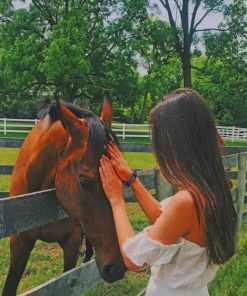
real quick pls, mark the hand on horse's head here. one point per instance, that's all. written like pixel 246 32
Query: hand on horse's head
pixel 118 163
pixel 112 184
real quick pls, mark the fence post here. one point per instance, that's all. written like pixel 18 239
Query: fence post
pixel 163 188
pixel 242 157
pixel 35 121
pixel 5 126
pixel 123 135
pixel 233 131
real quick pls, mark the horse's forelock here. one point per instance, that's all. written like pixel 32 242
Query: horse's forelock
pixel 99 137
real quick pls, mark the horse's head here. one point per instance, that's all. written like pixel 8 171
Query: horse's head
pixel 79 188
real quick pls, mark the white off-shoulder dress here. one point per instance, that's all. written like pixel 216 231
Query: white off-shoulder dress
pixel 179 269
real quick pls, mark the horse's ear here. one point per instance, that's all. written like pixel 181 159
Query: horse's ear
pixel 71 123
pixel 220 140
pixel 107 111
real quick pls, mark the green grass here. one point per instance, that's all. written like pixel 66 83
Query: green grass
pixel 236 143
pixel 137 160
pixel 13 135
pixel 131 285
pixel 231 277
pixel 8 155
pixel 45 262
pixel 4 183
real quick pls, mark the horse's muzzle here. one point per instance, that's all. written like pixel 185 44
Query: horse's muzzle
pixel 113 271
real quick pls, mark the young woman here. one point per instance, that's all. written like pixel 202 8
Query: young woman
pixel 193 231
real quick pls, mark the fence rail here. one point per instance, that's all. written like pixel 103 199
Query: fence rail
pixel 40 208
pixel 73 282
pixel 122 130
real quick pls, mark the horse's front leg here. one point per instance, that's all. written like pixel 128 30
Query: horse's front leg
pixel 71 248
pixel 20 249
pixel 86 249
pixel 88 252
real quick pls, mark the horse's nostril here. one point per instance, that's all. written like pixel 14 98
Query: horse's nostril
pixel 109 270
pixel 113 271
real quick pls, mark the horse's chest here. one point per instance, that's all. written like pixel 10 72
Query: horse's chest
pixel 56 231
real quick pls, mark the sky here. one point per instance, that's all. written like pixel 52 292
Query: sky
pixel 211 21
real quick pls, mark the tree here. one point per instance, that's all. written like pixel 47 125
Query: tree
pixel 223 85
pixel 223 70
pixel 127 90
pixel 154 49
pixel 66 46
pixel 185 30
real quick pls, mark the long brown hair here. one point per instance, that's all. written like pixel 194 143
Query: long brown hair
pixel 185 145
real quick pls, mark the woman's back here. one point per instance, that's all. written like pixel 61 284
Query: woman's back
pixel 181 268
pixel 196 233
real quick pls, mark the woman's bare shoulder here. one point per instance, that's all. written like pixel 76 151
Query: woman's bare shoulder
pixel 182 201
pixel 176 220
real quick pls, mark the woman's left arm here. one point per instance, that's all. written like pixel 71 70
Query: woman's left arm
pixel 177 220
pixel 113 188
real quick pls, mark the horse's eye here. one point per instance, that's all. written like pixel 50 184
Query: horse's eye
pixel 85 182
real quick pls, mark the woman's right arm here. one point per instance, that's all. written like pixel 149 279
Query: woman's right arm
pixel 149 205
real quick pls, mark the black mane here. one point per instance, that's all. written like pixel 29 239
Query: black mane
pixel 99 133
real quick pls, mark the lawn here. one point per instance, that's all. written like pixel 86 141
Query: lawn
pixel 46 259
pixel 236 143
pixel 8 155
pixel 231 277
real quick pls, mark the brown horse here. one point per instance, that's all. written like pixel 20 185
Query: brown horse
pixel 65 153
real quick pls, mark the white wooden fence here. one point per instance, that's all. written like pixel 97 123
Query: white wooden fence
pixel 20 126
pixel 232 133
pixel 123 130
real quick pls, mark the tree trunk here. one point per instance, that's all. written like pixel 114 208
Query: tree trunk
pixel 143 110
pixel 132 114
pixel 187 70
pixel 69 93
pixel 186 57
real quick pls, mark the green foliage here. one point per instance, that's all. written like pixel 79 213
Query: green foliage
pixel 158 61
pixel 223 73
pixel 72 49
pixel 77 48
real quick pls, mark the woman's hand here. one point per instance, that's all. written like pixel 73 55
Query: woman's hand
pixel 119 164
pixel 111 183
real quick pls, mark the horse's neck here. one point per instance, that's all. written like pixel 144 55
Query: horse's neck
pixel 37 162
